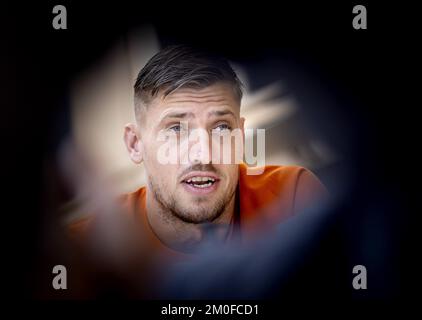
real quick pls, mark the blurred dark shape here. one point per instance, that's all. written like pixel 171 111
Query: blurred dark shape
pixel 310 257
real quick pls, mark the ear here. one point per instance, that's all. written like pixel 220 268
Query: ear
pixel 133 143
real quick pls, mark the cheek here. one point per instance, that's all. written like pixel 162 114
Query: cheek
pixel 231 173
pixel 166 175
pixel 152 162
pixel 234 176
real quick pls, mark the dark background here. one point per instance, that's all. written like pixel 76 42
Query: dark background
pixel 369 72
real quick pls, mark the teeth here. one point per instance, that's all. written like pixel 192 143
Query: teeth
pixel 205 185
pixel 200 179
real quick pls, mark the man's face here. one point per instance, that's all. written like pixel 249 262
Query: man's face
pixel 195 189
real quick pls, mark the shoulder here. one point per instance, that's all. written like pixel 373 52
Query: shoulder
pixel 127 204
pixel 276 178
pixel 290 188
pixel 133 200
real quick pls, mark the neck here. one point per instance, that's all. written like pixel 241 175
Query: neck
pixel 184 236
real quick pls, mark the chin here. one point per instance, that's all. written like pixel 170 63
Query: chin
pixel 198 215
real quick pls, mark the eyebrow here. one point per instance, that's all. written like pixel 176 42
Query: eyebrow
pixel 182 115
pixel 220 113
pixel 175 114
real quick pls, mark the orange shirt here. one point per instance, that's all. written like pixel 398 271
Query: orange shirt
pixel 263 201
pixel 125 243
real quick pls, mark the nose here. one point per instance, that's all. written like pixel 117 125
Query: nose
pixel 199 150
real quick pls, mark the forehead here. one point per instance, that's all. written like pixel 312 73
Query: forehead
pixel 196 100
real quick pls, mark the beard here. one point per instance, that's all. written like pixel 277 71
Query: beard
pixel 198 212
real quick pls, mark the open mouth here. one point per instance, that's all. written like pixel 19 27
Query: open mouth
pixel 201 183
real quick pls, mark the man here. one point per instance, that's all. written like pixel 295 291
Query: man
pixel 182 89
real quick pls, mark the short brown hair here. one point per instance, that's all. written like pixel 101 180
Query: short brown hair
pixel 182 66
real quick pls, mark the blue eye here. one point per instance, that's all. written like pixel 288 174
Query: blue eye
pixel 222 127
pixel 176 128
